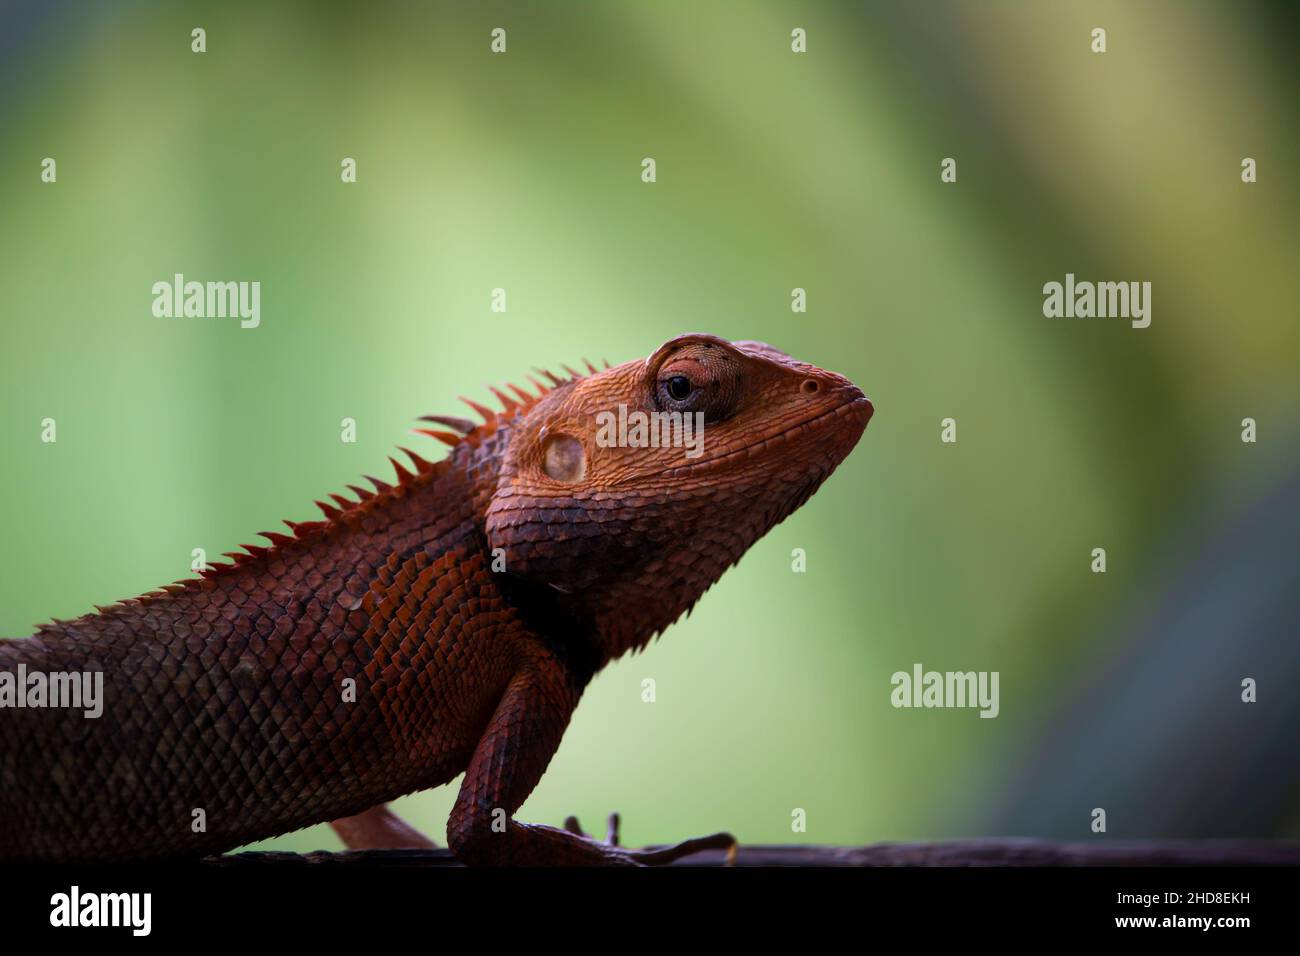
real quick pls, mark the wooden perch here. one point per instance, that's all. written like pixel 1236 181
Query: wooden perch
pixel 1009 851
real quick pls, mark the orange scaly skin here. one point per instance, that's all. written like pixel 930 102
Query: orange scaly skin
pixel 226 693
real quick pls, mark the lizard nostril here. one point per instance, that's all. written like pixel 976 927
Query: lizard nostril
pixel 810 386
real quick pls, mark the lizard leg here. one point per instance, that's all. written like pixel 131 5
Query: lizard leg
pixel 519 742
pixel 379 828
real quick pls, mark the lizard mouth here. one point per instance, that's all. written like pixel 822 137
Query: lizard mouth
pixel 857 409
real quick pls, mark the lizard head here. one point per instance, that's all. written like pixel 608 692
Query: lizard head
pixel 628 492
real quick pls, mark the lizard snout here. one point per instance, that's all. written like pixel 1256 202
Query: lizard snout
pixel 836 391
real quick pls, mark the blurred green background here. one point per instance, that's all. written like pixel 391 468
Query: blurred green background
pixel 775 171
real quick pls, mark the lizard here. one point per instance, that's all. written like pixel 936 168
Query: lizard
pixel 445 622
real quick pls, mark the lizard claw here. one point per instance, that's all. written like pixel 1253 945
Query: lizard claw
pixel 572 825
pixel 658 856
pixel 667 854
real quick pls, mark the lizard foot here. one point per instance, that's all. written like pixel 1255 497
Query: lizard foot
pixel 659 856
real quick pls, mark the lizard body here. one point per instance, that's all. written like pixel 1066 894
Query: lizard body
pixel 225 697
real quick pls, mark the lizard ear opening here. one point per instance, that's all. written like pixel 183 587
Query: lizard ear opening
pixel 564 459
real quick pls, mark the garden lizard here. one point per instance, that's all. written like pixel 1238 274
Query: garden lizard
pixel 445 622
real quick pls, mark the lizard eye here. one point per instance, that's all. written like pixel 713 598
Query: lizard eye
pixel 700 378
pixel 679 388
pixel 677 393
